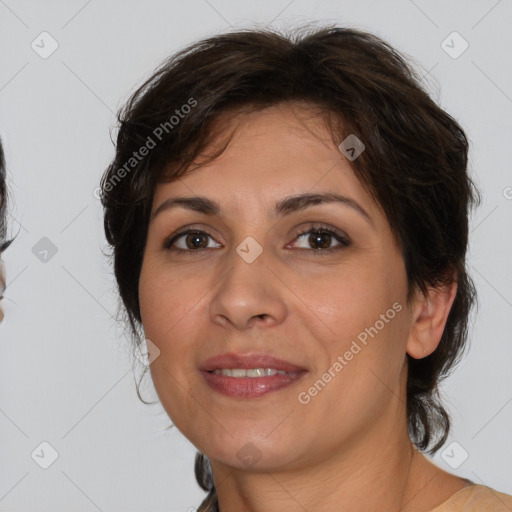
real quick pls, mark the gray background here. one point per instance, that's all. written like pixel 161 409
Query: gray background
pixel 65 371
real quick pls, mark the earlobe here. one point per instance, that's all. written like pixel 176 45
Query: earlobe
pixel 430 315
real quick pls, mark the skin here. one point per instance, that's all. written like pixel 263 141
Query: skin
pixel 352 436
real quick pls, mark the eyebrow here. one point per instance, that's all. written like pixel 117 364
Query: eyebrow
pixel 284 207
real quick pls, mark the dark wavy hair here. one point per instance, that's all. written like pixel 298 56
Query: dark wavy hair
pixel 4 243
pixel 414 166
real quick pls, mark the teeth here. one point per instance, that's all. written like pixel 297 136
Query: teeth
pixel 252 372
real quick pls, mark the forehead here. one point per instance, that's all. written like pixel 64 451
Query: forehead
pixel 275 152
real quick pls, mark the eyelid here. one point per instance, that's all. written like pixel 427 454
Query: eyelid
pixel 322 227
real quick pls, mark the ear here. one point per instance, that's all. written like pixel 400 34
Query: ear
pixel 429 319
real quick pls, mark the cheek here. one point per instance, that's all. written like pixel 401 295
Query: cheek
pixel 164 299
pixel 168 310
pixel 360 316
pixel 348 300
pixel 162 304
pixel 171 307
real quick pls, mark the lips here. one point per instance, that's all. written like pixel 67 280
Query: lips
pixel 245 387
pixel 248 361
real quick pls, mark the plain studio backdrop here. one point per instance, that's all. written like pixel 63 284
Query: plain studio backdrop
pixel 66 377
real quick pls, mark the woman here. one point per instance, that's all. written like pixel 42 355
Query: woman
pixel 289 224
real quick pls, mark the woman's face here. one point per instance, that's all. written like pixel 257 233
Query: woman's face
pixel 249 284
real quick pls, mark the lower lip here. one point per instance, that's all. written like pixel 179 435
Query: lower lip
pixel 249 387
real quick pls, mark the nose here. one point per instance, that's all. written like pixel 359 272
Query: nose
pixel 249 294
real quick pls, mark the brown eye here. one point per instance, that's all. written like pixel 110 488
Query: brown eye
pixel 189 240
pixel 320 239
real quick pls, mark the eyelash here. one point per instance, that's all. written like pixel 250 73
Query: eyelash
pixel 314 228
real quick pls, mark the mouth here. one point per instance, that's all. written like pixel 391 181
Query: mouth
pixel 249 376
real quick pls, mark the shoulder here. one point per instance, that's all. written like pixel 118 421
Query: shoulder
pixel 475 498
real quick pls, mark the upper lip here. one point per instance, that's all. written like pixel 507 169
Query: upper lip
pixel 246 361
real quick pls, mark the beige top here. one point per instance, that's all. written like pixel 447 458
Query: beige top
pixel 476 498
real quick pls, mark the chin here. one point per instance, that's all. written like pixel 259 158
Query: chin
pixel 252 454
